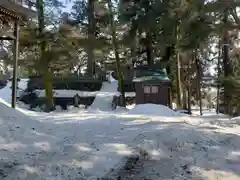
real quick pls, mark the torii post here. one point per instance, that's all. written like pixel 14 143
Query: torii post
pixel 13 11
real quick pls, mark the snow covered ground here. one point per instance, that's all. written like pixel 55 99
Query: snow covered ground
pixel 86 144
pixel 56 145
pixel 5 93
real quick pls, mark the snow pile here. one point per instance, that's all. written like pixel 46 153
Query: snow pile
pixel 236 120
pixel 22 84
pixel 153 110
pixel 110 77
pixel 23 143
pixel 60 145
pixel 103 99
pixel 6 92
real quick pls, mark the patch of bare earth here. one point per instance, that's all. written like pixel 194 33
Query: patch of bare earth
pixel 130 169
pixel 143 167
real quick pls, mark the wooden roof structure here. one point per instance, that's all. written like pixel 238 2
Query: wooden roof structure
pixel 10 12
pixel 15 10
pixel 12 15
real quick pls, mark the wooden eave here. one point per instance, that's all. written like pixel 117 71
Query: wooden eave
pixel 15 11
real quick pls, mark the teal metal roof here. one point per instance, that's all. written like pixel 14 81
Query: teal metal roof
pixel 151 75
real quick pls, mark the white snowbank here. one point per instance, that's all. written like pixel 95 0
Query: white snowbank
pixel 87 144
pixel 153 110
pixel 130 94
pixel 6 92
pixel 81 144
pixel 103 99
pixel 61 145
pixel 22 84
pixel 72 93
pixel 110 77
pixel 236 120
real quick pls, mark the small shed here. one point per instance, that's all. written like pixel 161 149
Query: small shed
pixel 152 86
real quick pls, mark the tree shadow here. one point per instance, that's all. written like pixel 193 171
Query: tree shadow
pixel 77 146
pixel 199 150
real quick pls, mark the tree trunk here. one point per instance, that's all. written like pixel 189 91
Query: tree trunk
pixel 148 31
pixel 91 38
pixel 189 94
pixel 178 75
pixel 44 61
pixel 199 84
pixel 185 97
pixel 226 64
pixel 31 71
pixel 149 49
pixel 179 88
pixel 115 46
pixel 48 91
pixel 218 79
pixel 134 56
pixel 134 47
pixel 167 61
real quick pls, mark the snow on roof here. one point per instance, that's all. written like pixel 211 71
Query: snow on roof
pixel 151 78
pixel 150 74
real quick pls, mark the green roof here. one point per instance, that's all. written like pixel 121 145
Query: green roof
pixel 151 75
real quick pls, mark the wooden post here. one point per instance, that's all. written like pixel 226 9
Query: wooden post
pixel 15 63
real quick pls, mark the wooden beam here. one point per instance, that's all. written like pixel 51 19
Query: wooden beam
pixel 15 63
pixel 7 38
pixel 15 10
